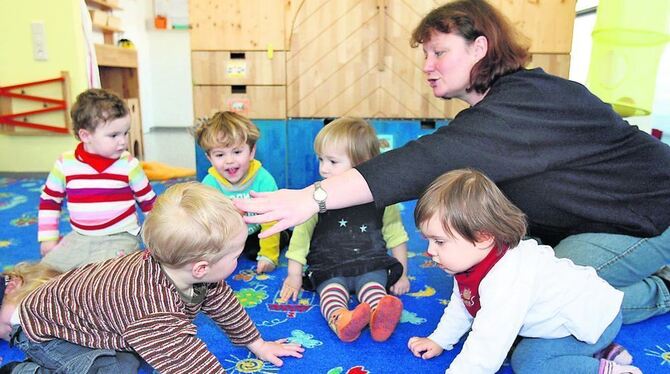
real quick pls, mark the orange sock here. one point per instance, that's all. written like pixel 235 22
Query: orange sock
pixel 385 318
pixel 347 324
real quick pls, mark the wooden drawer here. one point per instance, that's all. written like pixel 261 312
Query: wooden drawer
pixel 257 102
pixel 235 68
pixel 548 24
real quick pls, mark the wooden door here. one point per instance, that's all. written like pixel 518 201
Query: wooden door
pixel 352 57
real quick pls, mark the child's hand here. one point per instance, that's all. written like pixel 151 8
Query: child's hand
pixel 264 266
pixel 424 347
pixel 271 351
pixel 291 287
pixel 47 246
pixel 401 286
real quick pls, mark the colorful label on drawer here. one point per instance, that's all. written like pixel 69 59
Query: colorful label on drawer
pixel 236 69
pixel 239 105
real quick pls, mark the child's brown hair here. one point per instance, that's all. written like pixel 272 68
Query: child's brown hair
pixel 94 107
pixel 469 203
pixel 225 129
pixel 355 134
pixel 191 222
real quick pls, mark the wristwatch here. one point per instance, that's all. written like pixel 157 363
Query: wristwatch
pixel 320 196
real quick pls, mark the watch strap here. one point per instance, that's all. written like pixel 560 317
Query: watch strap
pixel 320 202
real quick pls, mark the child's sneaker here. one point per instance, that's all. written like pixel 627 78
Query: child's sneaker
pixel 385 318
pixel 347 324
pixel 617 353
pixel 611 367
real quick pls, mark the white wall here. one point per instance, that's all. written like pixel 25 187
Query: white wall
pixel 166 96
pixel 171 84
pixel 164 66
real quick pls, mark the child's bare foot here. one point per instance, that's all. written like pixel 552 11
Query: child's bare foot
pixel 263 266
pixel 348 324
pixel 385 318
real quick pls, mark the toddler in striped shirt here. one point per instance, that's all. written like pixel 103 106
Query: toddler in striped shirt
pixel 102 184
pixel 100 317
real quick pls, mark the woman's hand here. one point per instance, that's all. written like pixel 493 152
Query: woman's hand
pixel 287 207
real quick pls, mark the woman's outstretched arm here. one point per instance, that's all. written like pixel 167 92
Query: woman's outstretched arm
pixel 293 207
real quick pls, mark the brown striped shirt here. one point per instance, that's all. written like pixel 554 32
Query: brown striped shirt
pixel 129 303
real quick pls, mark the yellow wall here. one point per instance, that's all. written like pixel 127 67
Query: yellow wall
pixel 66 52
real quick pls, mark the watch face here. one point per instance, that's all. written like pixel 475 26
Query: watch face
pixel 320 194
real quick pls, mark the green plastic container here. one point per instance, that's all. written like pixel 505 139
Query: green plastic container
pixel 628 41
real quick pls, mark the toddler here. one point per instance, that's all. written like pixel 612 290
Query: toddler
pixel 101 182
pixel 346 250
pixel 99 316
pixel 229 141
pixel 566 316
pixel 15 284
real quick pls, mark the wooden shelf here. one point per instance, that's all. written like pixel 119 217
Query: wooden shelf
pixel 109 55
pixel 105 28
pixel 105 4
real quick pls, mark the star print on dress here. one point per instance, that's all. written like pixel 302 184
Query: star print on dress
pixel 364 228
pixel 343 222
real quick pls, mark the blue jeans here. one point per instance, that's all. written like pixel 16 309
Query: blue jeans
pixel 62 357
pixel 562 355
pixel 627 263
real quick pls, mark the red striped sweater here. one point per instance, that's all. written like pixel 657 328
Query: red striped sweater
pixel 129 303
pixel 99 202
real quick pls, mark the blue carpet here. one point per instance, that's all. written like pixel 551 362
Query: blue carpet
pixel 648 342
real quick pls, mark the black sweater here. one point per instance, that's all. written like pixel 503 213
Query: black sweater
pixel 557 151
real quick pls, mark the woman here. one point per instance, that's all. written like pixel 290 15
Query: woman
pixel 591 185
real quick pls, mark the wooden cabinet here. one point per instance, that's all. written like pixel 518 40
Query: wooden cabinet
pixel 547 23
pixel 118 67
pixel 238 59
pixel 103 19
pixel 252 83
pixel 345 57
pixel 233 25
pixel 118 73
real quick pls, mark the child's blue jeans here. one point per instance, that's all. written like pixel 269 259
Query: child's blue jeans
pixel 627 263
pixel 563 355
pixel 62 357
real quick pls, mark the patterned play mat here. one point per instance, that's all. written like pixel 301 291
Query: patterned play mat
pixel 301 321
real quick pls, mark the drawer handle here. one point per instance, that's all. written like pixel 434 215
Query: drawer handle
pixel 238 89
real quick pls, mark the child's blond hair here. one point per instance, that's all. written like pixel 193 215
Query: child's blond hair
pixel 191 222
pixel 225 129
pixel 31 275
pixel 95 107
pixel 355 134
pixel 469 203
